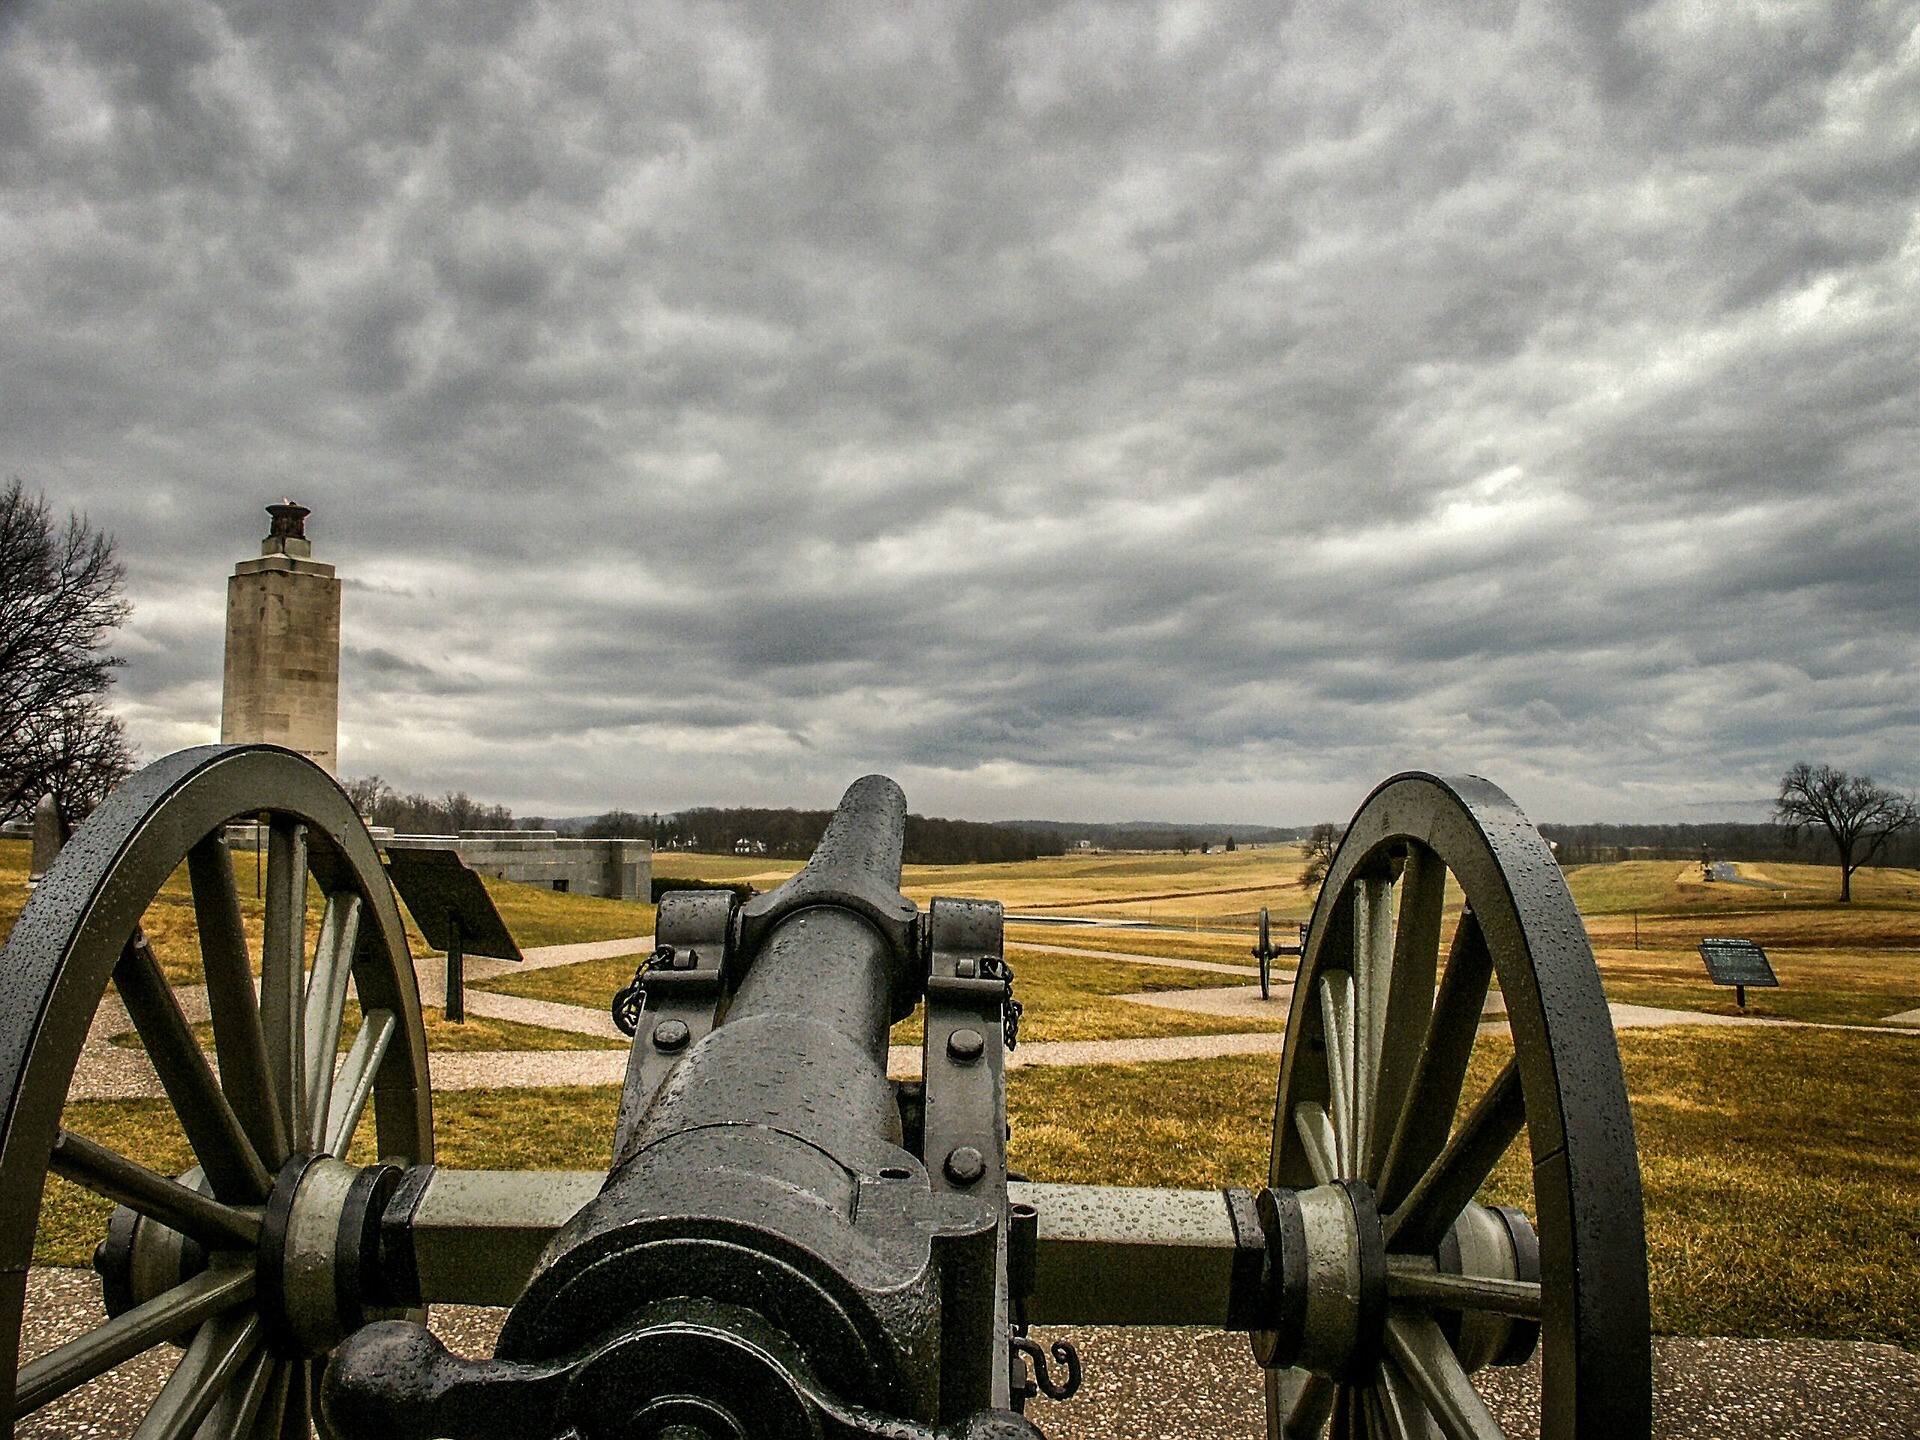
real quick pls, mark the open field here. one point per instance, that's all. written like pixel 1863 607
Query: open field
pixel 476 1032
pixel 1067 997
pixel 1228 947
pixel 534 916
pixel 1166 888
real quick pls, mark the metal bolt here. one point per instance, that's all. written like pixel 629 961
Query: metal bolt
pixel 965 1046
pixel 966 967
pixel 671 1035
pixel 965 1165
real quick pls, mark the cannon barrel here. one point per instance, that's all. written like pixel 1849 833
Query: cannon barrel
pixel 765 1251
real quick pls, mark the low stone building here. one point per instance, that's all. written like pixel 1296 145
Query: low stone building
pixel 618 869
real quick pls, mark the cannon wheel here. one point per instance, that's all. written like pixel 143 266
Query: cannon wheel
pixel 1265 952
pixel 1371 1082
pixel 274 1105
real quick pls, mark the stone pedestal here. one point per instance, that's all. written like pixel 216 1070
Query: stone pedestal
pixel 282 683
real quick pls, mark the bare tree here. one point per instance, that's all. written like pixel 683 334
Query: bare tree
pixel 59 599
pixel 1322 841
pixel 1859 816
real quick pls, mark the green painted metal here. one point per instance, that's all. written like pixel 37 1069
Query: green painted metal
pixel 1372 1080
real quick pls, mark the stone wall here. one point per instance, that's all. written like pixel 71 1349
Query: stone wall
pixel 619 869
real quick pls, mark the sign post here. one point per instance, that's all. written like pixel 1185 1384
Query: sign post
pixel 454 912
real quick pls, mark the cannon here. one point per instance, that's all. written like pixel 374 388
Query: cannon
pixel 787 1243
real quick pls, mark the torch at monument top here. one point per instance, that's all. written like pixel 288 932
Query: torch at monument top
pixel 288 535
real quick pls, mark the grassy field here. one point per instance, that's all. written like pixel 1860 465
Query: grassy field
pixel 534 916
pixel 1067 997
pixel 476 1032
pixel 1228 947
pixel 1166 888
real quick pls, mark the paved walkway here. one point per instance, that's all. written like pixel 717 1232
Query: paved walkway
pixel 108 1072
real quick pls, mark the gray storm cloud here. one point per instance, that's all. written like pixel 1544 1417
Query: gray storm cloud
pixel 1090 410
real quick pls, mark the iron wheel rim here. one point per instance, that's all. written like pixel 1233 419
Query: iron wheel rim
pixel 61 957
pixel 1594 1328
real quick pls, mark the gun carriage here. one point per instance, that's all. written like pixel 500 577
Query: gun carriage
pixel 786 1243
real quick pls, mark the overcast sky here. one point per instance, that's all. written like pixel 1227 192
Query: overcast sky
pixel 1091 411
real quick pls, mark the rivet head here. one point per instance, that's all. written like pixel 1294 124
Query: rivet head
pixel 966 1046
pixel 965 1165
pixel 671 1035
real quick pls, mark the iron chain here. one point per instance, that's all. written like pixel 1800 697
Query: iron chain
pixel 631 999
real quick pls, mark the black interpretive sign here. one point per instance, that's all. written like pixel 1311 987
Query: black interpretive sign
pixel 455 913
pixel 1738 963
pixel 442 892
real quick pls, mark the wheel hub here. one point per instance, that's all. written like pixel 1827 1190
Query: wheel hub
pixel 319 1251
pixel 1326 1292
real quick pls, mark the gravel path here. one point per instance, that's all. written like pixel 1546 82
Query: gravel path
pixel 109 1072
pixel 1189 1384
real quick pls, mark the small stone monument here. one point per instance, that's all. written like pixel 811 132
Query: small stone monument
pixel 282 682
pixel 49 834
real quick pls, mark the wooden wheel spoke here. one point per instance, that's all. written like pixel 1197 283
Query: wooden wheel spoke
pixel 234 1412
pixel 237 1039
pixel 272 1414
pixel 326 1003
pixel 1312 1408
pixel 211 1126
pixel 100 1170
pixel 1317 1138
pixel 282 970
pixel 1408 1005
pixel 162 1318
pixel 294 1420
pixel 217 1354
pixel 1402 1416
pixel 1422 1354
pixel 1372 974
pixel 1419 1224
pixel 1336 1019
pixel 355 1081
pixel 1433 1094
pixel 1519 1298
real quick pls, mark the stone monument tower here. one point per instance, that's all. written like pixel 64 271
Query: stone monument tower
pixel 283 645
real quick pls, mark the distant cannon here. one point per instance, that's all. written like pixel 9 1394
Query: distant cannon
pixel 787 1243
pixel 1266 952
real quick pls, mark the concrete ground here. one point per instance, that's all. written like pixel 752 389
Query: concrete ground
pixel 1200 1385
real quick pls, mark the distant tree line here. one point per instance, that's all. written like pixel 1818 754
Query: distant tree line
pixel 1602 844
pixel 1156 835
pixel 380 804
pixel 793 834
